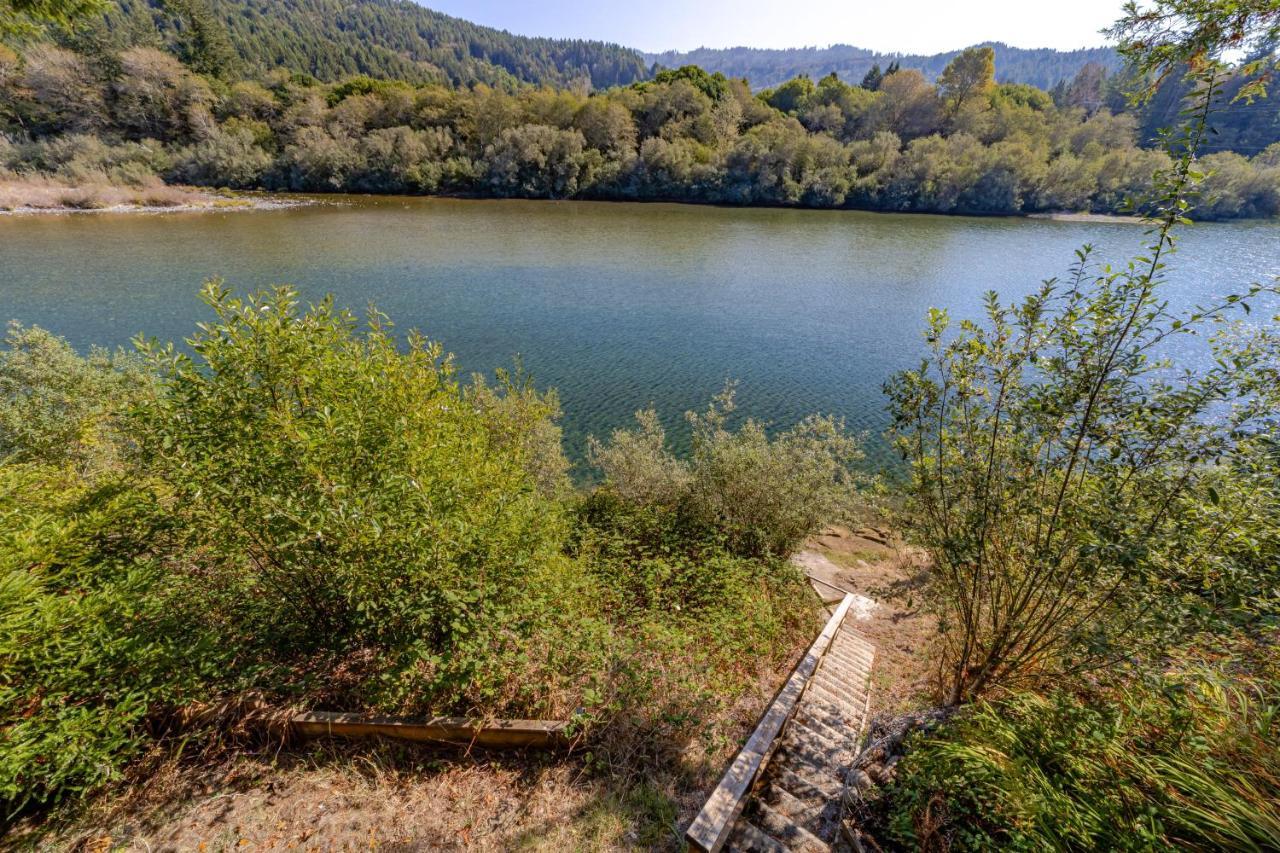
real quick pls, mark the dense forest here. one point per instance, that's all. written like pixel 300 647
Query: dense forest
pixel 962 144
pixel 1040 67
pixel 382 38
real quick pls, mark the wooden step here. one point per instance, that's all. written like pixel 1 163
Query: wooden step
pixel 854 649
pixel 851 637
pixel 801 758
pixel 795 837
pixel 850 659
pixel 832 713
pixel 836 732
pixel 836 751
pixel 748 839
pixel 853 642
pixel 842 688
pixel 851 708
pixel 806 786
pixel 804 812
pixel 818 816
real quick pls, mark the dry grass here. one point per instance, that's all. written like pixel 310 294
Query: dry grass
pixel 331 795
pixel 346 797
pixel 39 193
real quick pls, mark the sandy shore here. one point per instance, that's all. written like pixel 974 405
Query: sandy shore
pixel 41 196
pixel 1089 217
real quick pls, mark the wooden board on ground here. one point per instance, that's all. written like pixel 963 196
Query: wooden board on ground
pixel 493 734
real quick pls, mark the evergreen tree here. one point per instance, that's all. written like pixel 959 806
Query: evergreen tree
pixel 871 81
pixel 202 41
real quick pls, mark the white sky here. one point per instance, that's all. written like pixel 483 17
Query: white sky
pixel 919 26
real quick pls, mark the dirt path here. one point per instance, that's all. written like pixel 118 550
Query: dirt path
pixel 886 575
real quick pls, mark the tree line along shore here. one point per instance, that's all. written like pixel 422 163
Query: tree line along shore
pixel 88 128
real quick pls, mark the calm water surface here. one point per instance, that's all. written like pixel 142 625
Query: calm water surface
pixel 619 306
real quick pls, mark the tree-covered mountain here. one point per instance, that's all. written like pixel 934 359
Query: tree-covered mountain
pixel 399 39
pixel 1040 67
pixel 332 39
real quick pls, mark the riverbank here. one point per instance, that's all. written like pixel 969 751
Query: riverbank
pixel 39 195
pixel 1090 217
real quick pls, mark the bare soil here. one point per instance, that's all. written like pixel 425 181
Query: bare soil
pixel 877 564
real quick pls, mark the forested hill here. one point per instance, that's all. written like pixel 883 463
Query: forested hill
pixel 397 39
pixel 1040 67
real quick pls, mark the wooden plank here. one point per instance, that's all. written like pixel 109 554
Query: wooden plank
pixel 711 828
pixel 455 730
pixel 843 592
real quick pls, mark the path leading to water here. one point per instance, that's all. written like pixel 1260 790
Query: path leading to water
pixel 787 786
pixel 785 790
pixel 797 803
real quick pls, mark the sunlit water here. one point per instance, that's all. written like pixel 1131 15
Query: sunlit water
pixel 618 306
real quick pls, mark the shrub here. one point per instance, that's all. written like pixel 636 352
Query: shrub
pixel 536 160
pixel 57 408
pixel 638 467
pixel 767 494
pixel 93 641
pixel 224 158
pixel 86 160
pixel 762 496
pixel 522 421
pixel 1055 458
pixel 343 496
pixel 1183 762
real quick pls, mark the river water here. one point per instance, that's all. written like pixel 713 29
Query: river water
pixel 618 306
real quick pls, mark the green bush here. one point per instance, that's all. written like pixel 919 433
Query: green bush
pixel 761 496
pixel 92 640
pixel 59 408
pixel 344 496
pixel 1188 762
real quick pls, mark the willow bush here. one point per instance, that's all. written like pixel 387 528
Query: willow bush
pixel 762 494
pixel 1056 453
pixel 344 495
pixel 91 640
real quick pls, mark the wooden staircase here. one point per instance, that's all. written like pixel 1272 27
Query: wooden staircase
pixel 784 790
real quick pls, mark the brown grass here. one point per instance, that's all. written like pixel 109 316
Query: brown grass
pixel 333 795
pixel 36 193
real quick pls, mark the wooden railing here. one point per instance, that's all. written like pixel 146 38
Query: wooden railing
pixel 711 828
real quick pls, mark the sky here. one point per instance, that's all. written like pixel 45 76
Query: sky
pixel 915 26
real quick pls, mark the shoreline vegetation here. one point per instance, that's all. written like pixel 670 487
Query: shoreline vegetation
pixel 34 196
pixel 138 117
pixel 37 196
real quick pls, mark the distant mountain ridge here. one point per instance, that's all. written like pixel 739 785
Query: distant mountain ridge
pixel 1042 67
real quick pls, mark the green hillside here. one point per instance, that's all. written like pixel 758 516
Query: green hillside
pixel 330 39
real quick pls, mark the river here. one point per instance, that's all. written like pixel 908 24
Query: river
pixel 618 306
